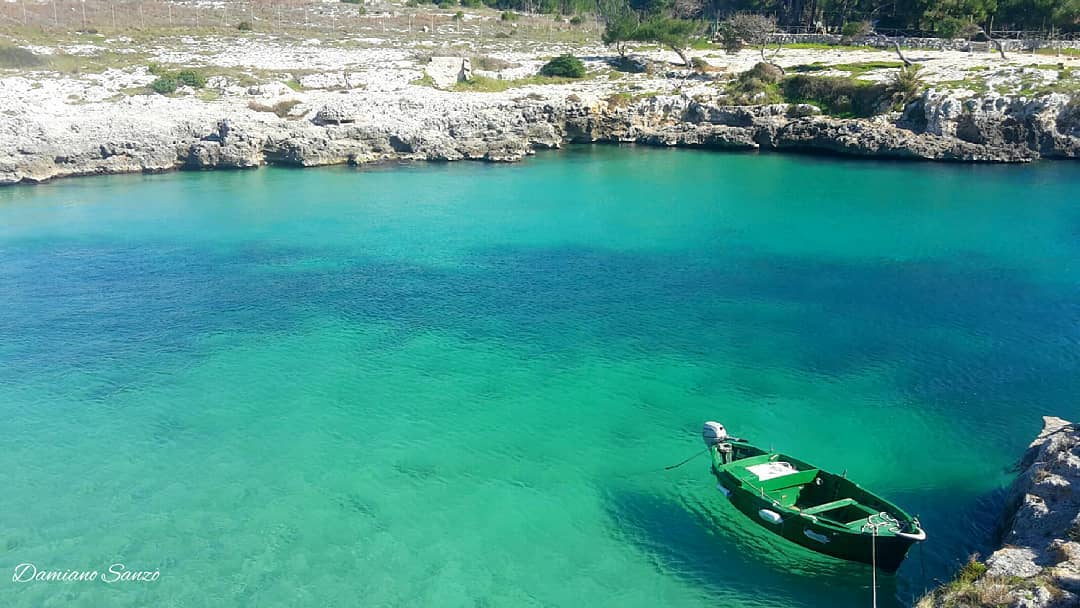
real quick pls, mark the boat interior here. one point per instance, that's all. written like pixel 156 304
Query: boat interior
pixel 806 489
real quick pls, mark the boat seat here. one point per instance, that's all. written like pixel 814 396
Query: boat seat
pixel 792 480
pixel 829 506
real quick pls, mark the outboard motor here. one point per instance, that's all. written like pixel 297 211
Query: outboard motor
pixel 713 433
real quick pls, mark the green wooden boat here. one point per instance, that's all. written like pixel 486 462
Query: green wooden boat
pixel 819 510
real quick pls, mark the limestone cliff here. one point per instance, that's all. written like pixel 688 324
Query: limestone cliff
pixel 159 134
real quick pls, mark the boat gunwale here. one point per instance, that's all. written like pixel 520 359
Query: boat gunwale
pixel 905 519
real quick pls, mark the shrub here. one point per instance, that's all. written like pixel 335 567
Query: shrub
pixel 566 66
pixel 972 570
pixel 353 1
pixel 17 57
pixel 472 3
pixel 699 64
pixel 837 95
pixel 576 20
pixel 765 72
pixel 459 16
pixel 446 4
pixel 947 26
pixel 191 78
pixel 757 85
pixel 244 26
pixel 164 85
pixel 508 16
pixel 907 83
pixel 855 29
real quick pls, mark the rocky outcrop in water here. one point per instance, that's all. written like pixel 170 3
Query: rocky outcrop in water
pixel 149 134
pixel 1038 564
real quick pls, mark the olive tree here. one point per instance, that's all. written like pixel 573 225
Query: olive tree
pixel 747 29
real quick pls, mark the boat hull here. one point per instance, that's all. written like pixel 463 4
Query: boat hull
pixel 886 552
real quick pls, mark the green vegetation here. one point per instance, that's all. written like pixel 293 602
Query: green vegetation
pixel 846 97
pixel 19 58
pixel 855 69
pixel 426 80
pixel 167 82
pixel 244 26
pixel 907 83
pixel 837 96
pixel 856 29
pixel 191 78
pixel 671 32
pixel 745 28
pixel 483 84
pixel 760 84
pixel 164 85
pixel 565 66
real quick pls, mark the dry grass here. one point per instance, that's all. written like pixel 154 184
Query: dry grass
pixel 281 108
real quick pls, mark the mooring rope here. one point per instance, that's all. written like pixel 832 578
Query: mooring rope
pixel 873 564
pixel 884 521
pixel 675 466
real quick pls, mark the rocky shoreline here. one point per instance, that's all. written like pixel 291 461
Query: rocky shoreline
pixel 1038 564
pixel 153 134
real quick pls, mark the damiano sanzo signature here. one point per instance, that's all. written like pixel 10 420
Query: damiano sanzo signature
pixel 117 573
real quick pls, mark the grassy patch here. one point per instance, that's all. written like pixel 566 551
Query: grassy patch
pixel 424 81
pixel 619 100
pixel 1068 52
pixel 281 108
pixel 15 57
pixel 821 45
pixel 483 84
pixel 855 69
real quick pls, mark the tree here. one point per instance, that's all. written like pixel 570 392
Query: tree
pixel 620 30
pixel 672 33
pixel 747 28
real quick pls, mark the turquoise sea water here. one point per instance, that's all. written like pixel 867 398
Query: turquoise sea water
pixel 458 385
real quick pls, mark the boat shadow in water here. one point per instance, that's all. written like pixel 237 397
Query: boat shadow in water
pixel 709 544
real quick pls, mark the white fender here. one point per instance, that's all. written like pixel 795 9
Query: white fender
pixel 770 516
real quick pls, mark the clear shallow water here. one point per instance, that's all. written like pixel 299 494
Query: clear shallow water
pixel 455 385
